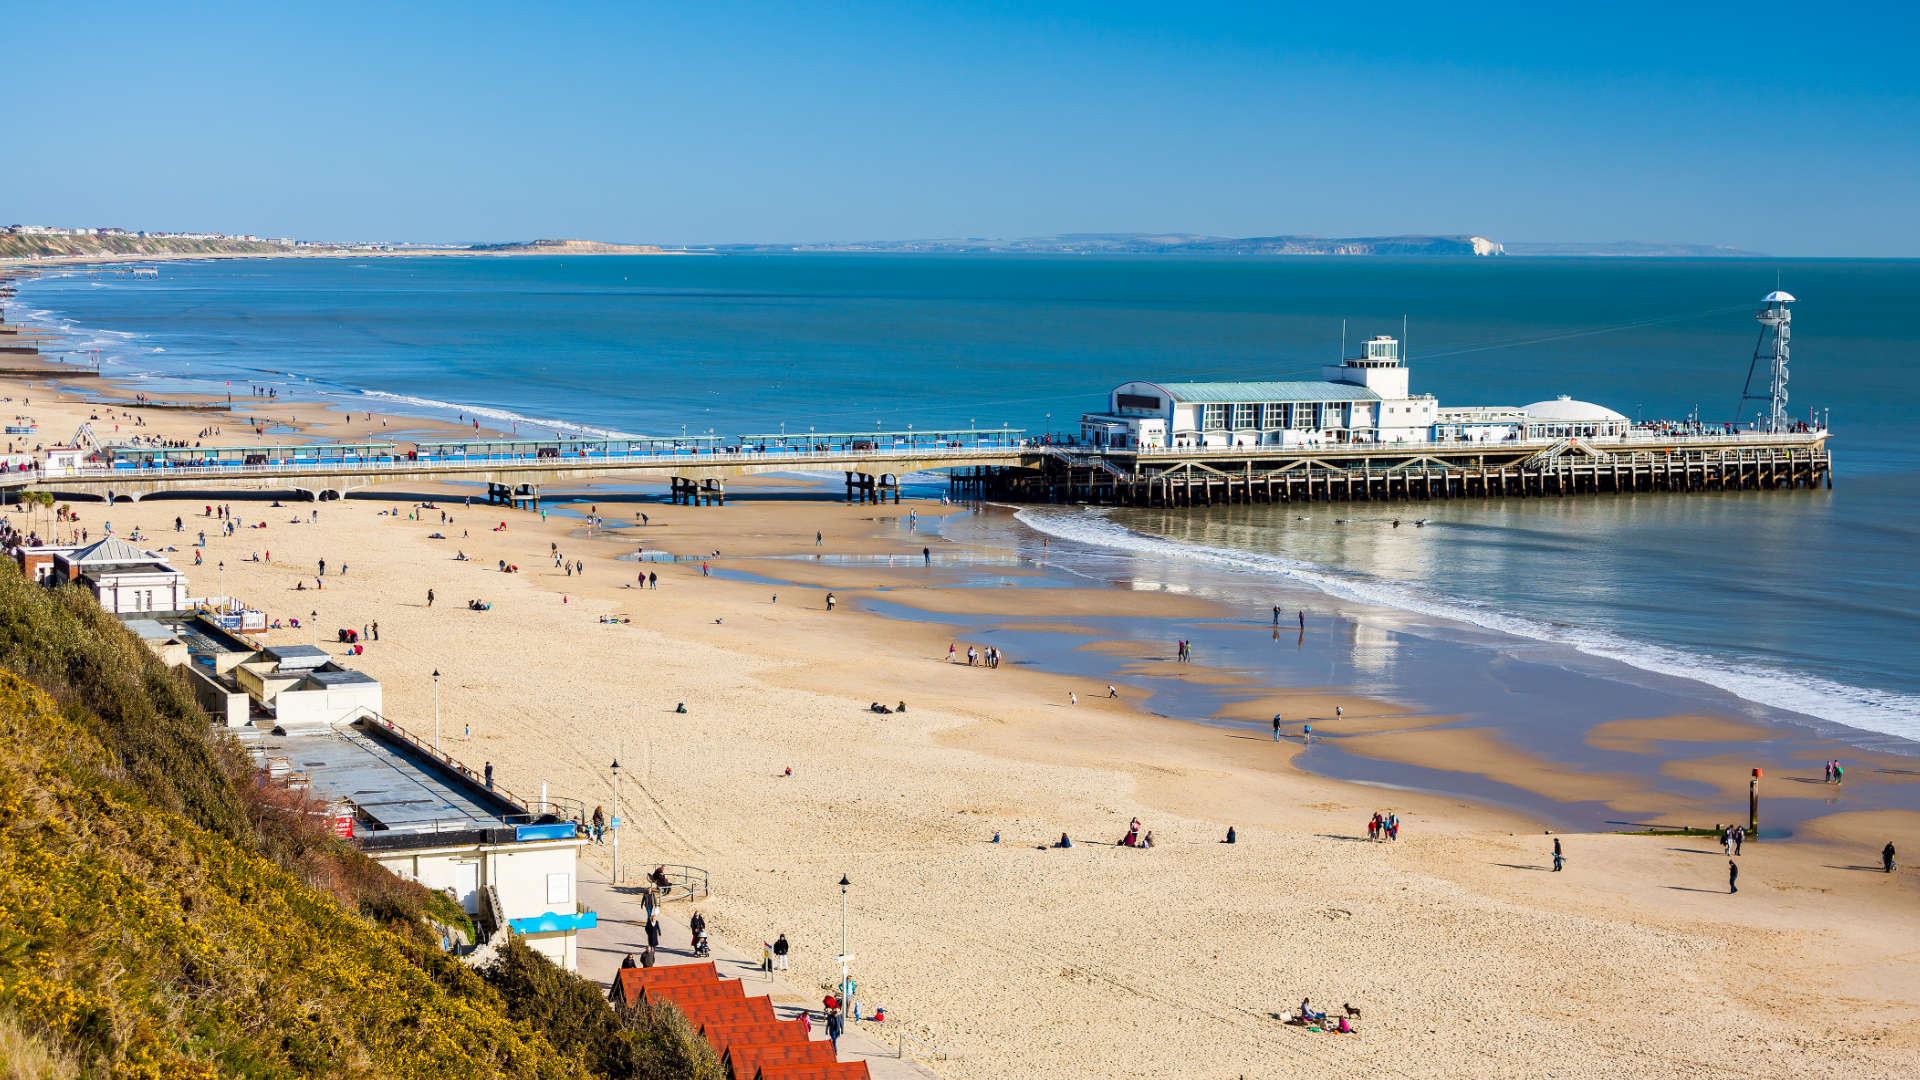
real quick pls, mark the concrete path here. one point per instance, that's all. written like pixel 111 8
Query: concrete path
pixel 622 930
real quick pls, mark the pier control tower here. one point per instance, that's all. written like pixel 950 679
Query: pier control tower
pixel 1770 354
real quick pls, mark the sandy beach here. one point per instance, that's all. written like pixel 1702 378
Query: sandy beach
pixel 1465 954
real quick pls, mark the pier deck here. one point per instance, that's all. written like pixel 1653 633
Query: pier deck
pixel 1008 469
pixel 1413 471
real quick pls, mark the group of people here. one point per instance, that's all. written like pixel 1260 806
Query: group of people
pixel 1386 826
pixel 1184 652
pixel 1136 837
pixel 1308 1016
pixel 1732 837
pixel 1836 773
pixel 976 657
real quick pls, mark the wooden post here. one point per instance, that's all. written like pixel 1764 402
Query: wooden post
pixel 1753 806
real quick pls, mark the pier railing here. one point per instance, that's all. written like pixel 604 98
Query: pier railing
pixel 493 462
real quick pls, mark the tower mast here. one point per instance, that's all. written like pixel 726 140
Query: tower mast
pixel 1771 353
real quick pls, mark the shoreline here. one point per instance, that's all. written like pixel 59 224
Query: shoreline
pixel 1446 923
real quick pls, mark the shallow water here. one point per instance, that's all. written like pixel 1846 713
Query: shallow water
pixel 1802 601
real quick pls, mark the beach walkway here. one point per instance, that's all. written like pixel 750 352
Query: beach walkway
pixel 622 930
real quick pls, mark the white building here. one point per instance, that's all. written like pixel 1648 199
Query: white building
pixel 1361 400
pixel 125 579
pixel 1564 418
pixel 301 686
pixel 429 819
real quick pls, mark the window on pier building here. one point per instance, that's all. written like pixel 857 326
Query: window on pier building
pixel 1243 415
pixel 1301 416
pixel 1213 418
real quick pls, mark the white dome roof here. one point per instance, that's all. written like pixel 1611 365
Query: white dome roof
pixel 1567 409
pixel 1777 297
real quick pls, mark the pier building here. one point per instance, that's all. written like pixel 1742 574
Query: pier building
pixel 1362 399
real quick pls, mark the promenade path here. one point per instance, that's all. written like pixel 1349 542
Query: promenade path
pixel 622 930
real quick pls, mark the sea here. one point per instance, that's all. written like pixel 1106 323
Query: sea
pixel 1804 604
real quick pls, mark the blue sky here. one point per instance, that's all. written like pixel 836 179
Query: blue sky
pixel 1785 129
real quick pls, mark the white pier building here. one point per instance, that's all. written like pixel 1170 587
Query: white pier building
pixel 1364 400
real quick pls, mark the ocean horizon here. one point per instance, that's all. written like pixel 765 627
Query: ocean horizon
pixel 1788 602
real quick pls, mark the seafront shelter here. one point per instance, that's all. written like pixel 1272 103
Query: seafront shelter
pixel 427 818
pixel 125 579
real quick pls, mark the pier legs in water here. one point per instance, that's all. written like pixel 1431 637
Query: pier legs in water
pixel 872 487
pixel 514 496
pixel 689 492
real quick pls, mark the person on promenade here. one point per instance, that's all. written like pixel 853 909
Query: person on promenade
pixel 653 932
pixel 1886 858
pixel 697 924
pixel 780 950
pixel 835 1025
pixel 629 962
pixel 599 822
pixel 1733 876
pixel 649 957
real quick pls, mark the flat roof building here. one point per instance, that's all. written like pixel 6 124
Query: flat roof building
pixel 427 818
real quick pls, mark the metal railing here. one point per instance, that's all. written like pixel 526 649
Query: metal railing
pixel 492 463
pixel 683 882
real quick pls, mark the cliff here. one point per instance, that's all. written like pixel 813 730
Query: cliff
pixel 567 247
pixel 167 914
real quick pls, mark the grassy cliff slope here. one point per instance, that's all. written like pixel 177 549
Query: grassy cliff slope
pixel 164 915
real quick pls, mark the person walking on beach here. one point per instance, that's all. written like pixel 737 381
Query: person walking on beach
pixel 1739 837
pixel 1886 858
pixel 780 950
pixel 429 597
pixel 1276 727
pixel 1276 614
pixel 1557 858
pixel 1733 877
pixel 830 601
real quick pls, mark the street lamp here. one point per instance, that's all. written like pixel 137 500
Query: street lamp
pixel 845 957
pixel 313 620
pixel 436 710
pixel 616 817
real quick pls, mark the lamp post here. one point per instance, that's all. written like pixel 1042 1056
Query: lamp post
pixel 313 620
pixel 616 817
pixel 845 957
pixel 436 710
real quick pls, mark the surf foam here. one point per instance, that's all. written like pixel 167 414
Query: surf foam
pixel 1882 712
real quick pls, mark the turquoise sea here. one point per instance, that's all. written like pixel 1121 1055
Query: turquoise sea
pixel 1801 603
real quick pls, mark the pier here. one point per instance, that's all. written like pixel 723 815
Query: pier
pixel 998 465
pixel 1520 469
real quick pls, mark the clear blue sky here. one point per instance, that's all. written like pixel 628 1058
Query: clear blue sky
pixel 1793 130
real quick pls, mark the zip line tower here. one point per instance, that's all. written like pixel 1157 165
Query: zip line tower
pixel 1776 331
